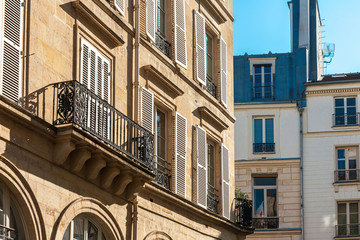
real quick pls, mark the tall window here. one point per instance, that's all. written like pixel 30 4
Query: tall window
pixel 347 164
pixel 212 201
pixel 82 228
pixel 265 202
pixel 345 111
pixel 163 173
pixel 263 135
pixel 210 85
pixel 263 82
pixel 161 17
pixel 11 227
pixel 348 219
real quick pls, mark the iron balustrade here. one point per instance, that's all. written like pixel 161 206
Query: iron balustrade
pixel 211 87
pixel 212 201
pixel 7 233
pixel 162 173
pixel 345 119
pixel 75 103
pixel 263 92
pixel 162 44
pixel 243 212
pixel 350 175
pixel 263 147
pixel 347 230
pixel 265 223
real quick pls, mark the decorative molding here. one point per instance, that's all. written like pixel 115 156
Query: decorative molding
pixel 206 113
pixel 326 91
pixel 164 80
pixel 82 9
pixel 214 10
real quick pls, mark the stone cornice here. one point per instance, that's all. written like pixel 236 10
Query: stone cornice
pixel 327 91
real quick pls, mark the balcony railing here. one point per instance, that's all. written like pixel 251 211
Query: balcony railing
pixel 7 233
pixel 162 44
pixel 340 120
pixel 75 103
pixel 266 223
pixel 351 175
pixel 347 230
pixel 243 212
pixel 162 173
pixel 212 201
pixel 211 87
pixel 263 92
pixel 263 147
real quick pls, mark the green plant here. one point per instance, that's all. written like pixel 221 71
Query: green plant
pixel 240 194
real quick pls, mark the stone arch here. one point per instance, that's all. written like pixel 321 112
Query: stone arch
pixel 87 207
pixel 27 204
pixel 157 235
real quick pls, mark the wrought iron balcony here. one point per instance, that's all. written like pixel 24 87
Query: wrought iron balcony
pixel 211 87
pixel 75 103
pixel 340 120
pixel 347 230
pixel 243 212
pixel 263 147
pixel 351 175
pixel 263 92
pixel 162 173
pixel 265 223
pixel 7 233
pixel 212 201
pixel 162 44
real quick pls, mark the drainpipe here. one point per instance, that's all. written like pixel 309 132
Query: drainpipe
pixel 137 59
pixel 135 218
pixel 301 110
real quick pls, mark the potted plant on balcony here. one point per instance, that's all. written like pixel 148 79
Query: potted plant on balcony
pixel 243 208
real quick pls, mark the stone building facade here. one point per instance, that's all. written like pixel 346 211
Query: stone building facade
pixel 117 120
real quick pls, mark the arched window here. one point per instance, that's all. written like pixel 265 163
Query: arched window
pixel 11 226
pixel 82 228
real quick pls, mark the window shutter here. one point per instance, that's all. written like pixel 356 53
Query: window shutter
pixel 11 42
pixel 150 19
pixel 147 109
pixel 120 5
pixel 200 47
pixel 201 167
pixel 223 58
pixel 180 33
pixel 180 155
pixel 225 181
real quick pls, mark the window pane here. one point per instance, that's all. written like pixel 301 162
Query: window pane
pixel 257 69
pixel 352 152
pixel 271 203
pixel 258 136
pixel 352 164
pixel 341 208
pixel 339 111
pixel 267 69
pixel 211 165
pixel 350 102
pixel 16 223
pixel 67 233
pixel 1 206
pixel 259 202
pixel 341 164
pixel 351 110
pixel 265 181
pixel 92 232
pixel 269 129
pixel 342 219
pixel 267 80
pixel 78 229
pixel 258 81
pixel 354 208
pixel 339 102
pixel 341 153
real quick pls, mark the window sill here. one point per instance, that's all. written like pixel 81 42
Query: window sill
pixel 337 185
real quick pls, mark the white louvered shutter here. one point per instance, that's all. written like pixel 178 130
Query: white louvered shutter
pixel 200 39
pixel 11 48
pixel 223 65
pixel 180 155
pixel 95 75
pixel 180 33
pixel 147 109
pixel 201 167
pixel 151 19
pixel 225 181
pixel 120 5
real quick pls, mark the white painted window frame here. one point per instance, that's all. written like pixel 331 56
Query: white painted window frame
pixel 263 127
pixel 265 197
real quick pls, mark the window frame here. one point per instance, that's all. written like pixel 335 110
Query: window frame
pixel 265 187
pixel 345 114
pixel 264 135
pixel 158 8
pixel 347 214
pixel 344 175
pixel 208 34
pixel 262 86
pixel 101 232
pixel 156 109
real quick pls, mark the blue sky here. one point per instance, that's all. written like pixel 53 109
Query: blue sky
pixel 264 25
